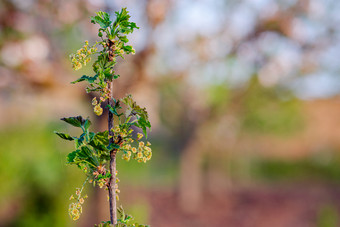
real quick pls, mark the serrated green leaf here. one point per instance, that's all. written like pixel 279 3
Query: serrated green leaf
pixel 77 121
pixel 122 24
pixel 113 109
pixel 87 124
pixel 86 154
pixel 64 136
pixel 88 90
pixel 90 79
pixel 108 74
pixel 143 124
pixel 71 156
pixel 128 49
pixel 110 64
pixel 128 101
pixel 133 25
pixel 102 19
pixel 100 141
pixel 141 113
pixel 123 39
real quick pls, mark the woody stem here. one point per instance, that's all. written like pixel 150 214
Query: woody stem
pixel 112 181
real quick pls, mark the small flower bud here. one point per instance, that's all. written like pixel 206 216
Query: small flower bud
pixel 139 136
pixel 98 110
pixel 94 101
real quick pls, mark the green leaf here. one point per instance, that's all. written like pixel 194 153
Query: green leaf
pixel 90 79
pixel 108 74
pixel 80 141
pixel 133 25
pixel 110 64
pixel 122 23
pixel 123 39
pixel 128 101
pixel 113 109
pixel 143 124
pixel 64 136
pixel 100 141
pixel 128 49
pixel 77 121
pixel 135 110
pixel 88 90
pixel 87 124
pixel 86 154
pixel 71 156
pixel 113 146
pixel 102 18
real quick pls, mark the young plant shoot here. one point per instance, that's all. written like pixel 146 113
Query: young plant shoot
pixel 96 152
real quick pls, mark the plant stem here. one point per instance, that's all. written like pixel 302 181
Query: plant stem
pixel 112 182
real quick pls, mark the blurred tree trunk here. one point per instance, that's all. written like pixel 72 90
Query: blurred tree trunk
pixel 191 180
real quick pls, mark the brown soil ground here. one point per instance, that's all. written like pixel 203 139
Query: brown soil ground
pixel 287 206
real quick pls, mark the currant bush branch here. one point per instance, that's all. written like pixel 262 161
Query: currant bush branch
pixel 95 152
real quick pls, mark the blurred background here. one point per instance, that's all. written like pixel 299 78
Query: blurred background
pixel 243 98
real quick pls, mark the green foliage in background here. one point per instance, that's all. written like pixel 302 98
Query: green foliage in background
pixel 328 217
pixel 308 169
pixel 270 110
pixel 32 165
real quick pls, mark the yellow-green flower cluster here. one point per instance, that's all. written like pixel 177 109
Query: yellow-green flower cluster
pixel 142 153
pixel 123 134
pixel 98 110
pixel 81 57
pixel 127 154
pixel 75 209
pixel 117 192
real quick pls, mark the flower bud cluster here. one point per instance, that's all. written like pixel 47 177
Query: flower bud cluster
pixel 81 57
pixel 142 153
pixel 98 110
pixel 122 134
pixel 101 176
pixel 117 49
pixel 105 94
pixel 75 209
